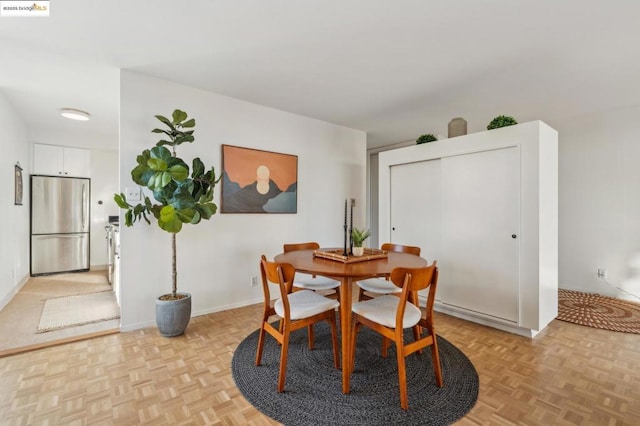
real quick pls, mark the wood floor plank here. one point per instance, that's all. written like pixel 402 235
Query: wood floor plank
pixel 567 375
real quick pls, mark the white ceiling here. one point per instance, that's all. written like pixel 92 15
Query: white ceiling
pixel 395 69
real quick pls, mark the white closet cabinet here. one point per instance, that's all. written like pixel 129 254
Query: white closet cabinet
pixel 55 160
pixel 412 217
pixel 480 227
pixel 484 206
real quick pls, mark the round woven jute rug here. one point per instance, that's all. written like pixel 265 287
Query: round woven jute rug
pixel 313 389
pixel 594 310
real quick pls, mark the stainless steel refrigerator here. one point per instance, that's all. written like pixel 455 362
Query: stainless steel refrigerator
pixel 59 224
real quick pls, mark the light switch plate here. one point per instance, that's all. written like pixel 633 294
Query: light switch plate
pixel 132 194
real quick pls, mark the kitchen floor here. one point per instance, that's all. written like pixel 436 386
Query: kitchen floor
pixel 19 319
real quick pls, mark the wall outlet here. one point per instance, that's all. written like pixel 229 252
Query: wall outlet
pixel 254 281
pixel 602 273
pixel 132 194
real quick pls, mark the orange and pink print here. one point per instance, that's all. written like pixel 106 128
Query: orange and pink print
pixel 256 181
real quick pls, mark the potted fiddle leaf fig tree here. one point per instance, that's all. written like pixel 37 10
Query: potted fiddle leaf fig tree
pixel 181 196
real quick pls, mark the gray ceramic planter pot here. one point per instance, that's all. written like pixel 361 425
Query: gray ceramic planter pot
pixel 172 316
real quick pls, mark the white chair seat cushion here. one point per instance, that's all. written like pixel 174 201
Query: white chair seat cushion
pixel 310 282
pixel 305 303
pixel 379 285
pixel 383 311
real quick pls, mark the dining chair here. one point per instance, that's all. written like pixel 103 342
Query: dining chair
pixel 382 285
pixel 390 315
pixel 295 310
pixel 308 281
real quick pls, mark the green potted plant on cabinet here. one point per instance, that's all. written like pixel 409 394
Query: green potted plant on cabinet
pixel 501 121
pixel 426 138
pixel 358 236
pixel 179 198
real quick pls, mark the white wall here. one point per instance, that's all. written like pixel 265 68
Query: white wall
pixel 217 259
pixel 104 183
pixel 599 185
pixel 14 226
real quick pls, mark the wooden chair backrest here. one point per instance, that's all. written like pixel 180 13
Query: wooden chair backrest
pixel 415 279
pixel 399 248
pixel 301 246
pixel 281 274
pixel 412 280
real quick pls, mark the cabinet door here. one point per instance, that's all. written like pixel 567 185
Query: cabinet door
pixel 77 162
pixel 415 207
pixel 47 160
pixel 480 226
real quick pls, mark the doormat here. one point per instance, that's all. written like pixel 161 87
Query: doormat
pixel 594 310
pixel 81 309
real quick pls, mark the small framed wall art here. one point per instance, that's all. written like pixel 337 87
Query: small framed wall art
pixel 18 185
pixel 256 181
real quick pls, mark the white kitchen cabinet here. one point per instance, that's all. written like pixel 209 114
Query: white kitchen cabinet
pixel 485 206
pixel 55 160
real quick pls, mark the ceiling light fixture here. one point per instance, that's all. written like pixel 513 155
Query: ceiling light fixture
pixel 75 114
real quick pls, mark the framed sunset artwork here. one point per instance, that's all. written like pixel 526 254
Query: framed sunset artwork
pixel 256 181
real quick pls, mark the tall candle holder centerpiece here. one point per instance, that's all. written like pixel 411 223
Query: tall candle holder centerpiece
pixel 348 248
pixel 345 252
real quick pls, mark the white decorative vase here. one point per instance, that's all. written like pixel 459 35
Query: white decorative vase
pixel 358 251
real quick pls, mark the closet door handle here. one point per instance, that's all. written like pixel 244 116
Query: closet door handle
pixel 514 236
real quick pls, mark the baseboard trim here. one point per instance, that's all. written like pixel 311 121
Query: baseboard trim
pixel 200 312
pixel 5 301
pixel 514 329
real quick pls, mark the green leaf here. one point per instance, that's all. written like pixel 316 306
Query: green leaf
pixel 128 218
pixel 169 220
pixel 189 123
pixel 206 197
pixel 179 116
pixel 151 183
pixel 185 215
pixel 181 197
pixel 143 158
pixel 166 121
pixel 207 210
pixel 179 172
pixel 120 201
pixel 196 217
pixel 165 194
pixel 146 175
pixel 157 164
pixel 140 174
pixel 146 219
pixel 184 138
pixel 198 168
pixel 161 152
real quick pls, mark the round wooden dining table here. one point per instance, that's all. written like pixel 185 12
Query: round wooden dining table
pixel 347 273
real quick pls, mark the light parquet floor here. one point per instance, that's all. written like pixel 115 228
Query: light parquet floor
pixel 568 375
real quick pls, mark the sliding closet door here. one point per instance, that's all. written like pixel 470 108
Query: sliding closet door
pixel 480 231
pixel 415 206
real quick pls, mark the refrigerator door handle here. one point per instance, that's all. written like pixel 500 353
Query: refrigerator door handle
pixel 56 236
pixel 84 207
